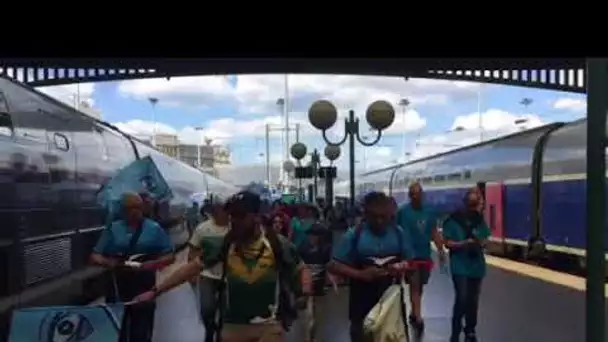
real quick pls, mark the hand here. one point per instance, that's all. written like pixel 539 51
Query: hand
pixel 372 273
pixel 442 256
pixel 398 268
pixel 307 291
pixel 113 263
pixel 333 279
pixel 145 297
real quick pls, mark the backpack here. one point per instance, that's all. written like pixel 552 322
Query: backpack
pixel 354 249
pixel 286 311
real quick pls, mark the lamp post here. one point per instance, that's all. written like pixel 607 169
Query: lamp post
pixel 268 129
pixel 379 115
pixel 331 152
pixel 404 103
pixel 153 102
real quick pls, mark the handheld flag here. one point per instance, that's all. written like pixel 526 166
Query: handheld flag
pixel 96 323
pixel 141 175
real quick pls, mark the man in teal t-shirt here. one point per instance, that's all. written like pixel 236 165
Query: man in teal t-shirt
pixel 465 234
pixel 420 221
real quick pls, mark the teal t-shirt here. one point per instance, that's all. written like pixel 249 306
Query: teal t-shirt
pixel 461 262
pixel 114 240
pixel 299 228
pixel 420 224
pixel 372 245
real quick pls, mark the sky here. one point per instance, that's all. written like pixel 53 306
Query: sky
pixel 233 110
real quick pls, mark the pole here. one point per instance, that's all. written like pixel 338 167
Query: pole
pixel 310 194
pixel 268 154
pixel 404 133
pixel 286 110
pixel 329 191
pixel 364 159
pixel 198 151
pixel 597 109
pixel 297 132
pixel 479 116
pixel 78 96
pixel 351 150
pixel 315 173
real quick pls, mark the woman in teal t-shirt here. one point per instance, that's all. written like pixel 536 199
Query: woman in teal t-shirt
pixel 300 224
pixel 465 233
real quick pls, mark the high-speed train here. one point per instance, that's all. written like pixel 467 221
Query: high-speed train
pixel 53 161
pixel 534 183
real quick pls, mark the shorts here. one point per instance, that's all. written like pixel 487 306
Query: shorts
pixel 253 332
pixel 418 277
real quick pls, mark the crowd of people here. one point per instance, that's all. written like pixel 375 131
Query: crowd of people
pixel 256 267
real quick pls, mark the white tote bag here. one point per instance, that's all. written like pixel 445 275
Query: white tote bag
pixel 177 317
pixel 385 320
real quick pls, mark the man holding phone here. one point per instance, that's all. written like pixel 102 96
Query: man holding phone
pixel 371 255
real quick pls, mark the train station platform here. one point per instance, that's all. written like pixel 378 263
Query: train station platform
pixel 514 307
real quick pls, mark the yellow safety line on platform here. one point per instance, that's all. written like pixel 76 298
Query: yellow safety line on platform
pixel 550 276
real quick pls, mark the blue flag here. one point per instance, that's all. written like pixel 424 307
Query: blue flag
pixel 96 323
pixel 141 175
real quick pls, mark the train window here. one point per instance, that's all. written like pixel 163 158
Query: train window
pixel 427 179
pixel 440 178
pixel 467 174
pixel 454 177
pixel 61 142
pixel 6 123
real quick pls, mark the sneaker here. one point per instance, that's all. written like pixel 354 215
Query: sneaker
pixel 470 337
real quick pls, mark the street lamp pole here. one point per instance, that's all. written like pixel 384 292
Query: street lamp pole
pixel 153 102
pixel 315 160
pixel 404 103
pixel 270 129
pixel 379 115
pixel 332 152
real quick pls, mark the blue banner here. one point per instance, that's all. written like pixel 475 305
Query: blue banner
pixel 140 176
pixel 95 323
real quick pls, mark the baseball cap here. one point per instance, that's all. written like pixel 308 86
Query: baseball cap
pixel 244 202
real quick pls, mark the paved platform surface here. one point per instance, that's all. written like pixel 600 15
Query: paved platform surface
pixel 513 308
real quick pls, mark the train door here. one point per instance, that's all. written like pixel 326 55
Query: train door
pixel 61 160
pixel 494 194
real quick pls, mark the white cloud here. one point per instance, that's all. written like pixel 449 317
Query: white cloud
pixel 71 93
pixel 571 104
pixel 259 93
pixel 229 130
pixel 495 119
pixel 495 123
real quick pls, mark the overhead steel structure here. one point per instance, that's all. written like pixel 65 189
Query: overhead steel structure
pixel 555 74
pixel 576 75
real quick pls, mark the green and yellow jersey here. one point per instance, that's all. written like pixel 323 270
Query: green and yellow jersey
pixel 252 278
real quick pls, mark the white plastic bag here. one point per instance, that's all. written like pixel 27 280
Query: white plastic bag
pixel 385 320
pixel 177 317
